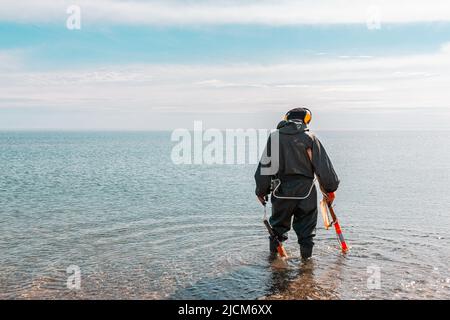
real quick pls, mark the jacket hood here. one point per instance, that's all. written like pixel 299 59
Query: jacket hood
pixel 291 127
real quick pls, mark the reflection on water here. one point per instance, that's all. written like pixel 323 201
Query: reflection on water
pixel 141 228
pixel 284 281
pixel 303 283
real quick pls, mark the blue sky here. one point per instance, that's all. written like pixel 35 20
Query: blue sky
pixel 133 64
pixel 51 46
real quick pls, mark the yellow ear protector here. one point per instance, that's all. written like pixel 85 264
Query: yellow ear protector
pixel 306 119
pixel 308 116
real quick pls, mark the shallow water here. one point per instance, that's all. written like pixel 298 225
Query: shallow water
pixel 140 227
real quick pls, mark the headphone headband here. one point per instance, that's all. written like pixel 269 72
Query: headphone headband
pixel 303 112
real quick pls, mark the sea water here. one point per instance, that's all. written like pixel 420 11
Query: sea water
pixel 113 207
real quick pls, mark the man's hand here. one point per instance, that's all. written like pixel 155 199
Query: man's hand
pixel 329 198
pixel 262 199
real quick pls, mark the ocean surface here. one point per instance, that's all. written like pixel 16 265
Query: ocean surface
pixel 140 227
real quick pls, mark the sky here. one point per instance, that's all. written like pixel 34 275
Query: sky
pixel 160 65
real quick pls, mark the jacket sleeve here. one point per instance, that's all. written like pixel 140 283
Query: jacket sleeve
pixel 263 180
pixel 323 167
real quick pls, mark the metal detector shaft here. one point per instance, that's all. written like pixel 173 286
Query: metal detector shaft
pixel 280 247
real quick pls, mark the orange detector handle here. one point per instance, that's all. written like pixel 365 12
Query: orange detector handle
pixel 281 251
pixel 331 196
pixel 337 227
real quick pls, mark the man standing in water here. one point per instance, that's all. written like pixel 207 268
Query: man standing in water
pixel 300 156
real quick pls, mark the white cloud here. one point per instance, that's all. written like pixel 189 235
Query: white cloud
pixel 333 84
pixel 284 12
pixel 445 48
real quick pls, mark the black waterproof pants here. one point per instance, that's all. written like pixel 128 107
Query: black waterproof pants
pixel 304 213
